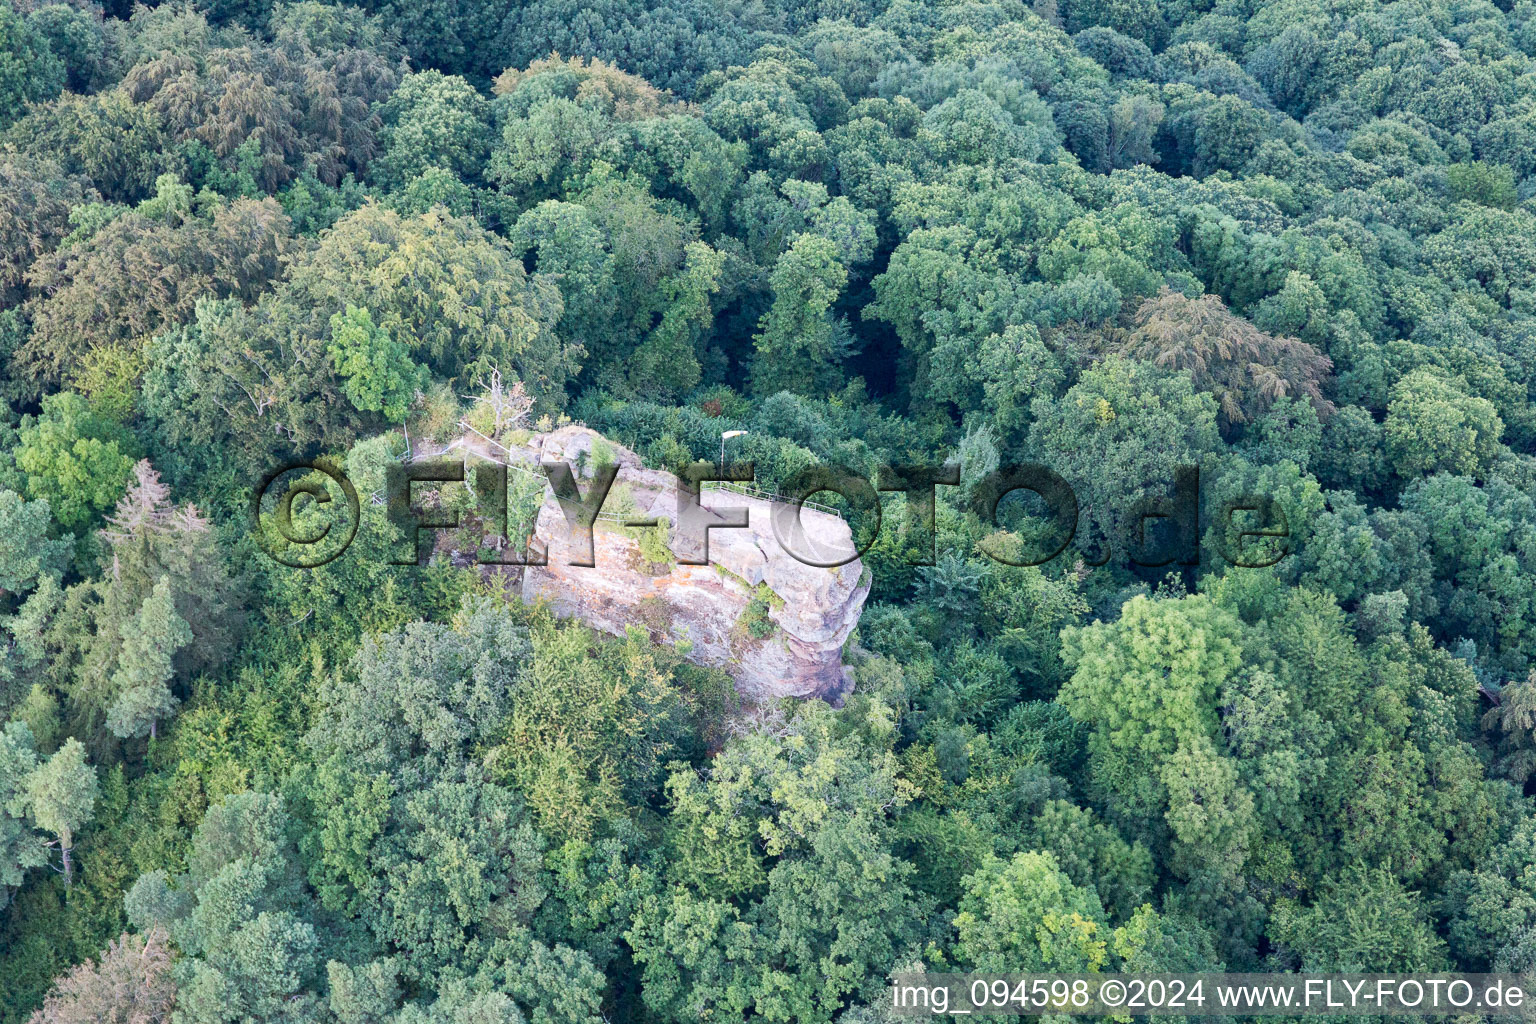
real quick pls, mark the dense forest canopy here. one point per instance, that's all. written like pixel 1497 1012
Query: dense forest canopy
pixel 1290 242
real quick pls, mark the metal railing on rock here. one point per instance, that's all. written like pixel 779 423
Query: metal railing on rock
pixel 515 459
pixel 777 499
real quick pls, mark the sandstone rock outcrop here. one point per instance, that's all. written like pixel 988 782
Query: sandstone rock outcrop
pixel 774 623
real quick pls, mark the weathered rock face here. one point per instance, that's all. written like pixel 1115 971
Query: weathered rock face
pixel 810 611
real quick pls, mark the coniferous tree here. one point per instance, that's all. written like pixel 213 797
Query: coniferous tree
pixel 146 666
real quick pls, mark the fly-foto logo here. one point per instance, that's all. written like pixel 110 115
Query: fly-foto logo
pixel 1156 530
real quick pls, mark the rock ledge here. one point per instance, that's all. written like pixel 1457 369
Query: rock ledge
pixel 811 611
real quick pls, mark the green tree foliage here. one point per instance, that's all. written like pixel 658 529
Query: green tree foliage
pixel 231 388
pixel 400 799
pixel 1513 721
pixel 568 244
pixel 37 200
pixel 1149 692
pixel 1433 425
pixel 252 115
pixel 1025 914
pixel 139 274
pixel 377 371
pixel 30 70
pixel 1288 243
pixel 79 39
pixel 60 795
pixel 566 116
pixel 1366 922
pixel 151 640
pixel 27 553
pixel 576 770
pixel 667 362
pixel 73 458
pixel 21 848
pixel 455 296
pixel 739 929
pixel 75 640
pixel 1482 183
pixel 1480 574
pixel 1119 434
pixel 643 38
pixel 431 120
pixel 798 333
pixel 241 919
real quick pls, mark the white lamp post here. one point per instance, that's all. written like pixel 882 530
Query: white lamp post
pixel 728 433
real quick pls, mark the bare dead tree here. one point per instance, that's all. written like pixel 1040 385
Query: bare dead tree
pixel 508 406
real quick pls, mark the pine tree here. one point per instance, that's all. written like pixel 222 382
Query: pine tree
pixel 145 510
pixel 149 537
